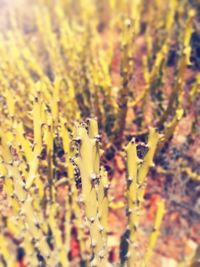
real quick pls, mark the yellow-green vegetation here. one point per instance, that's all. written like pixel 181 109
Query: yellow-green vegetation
pixel 63 62
pixel 34 209
pixel 137 172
